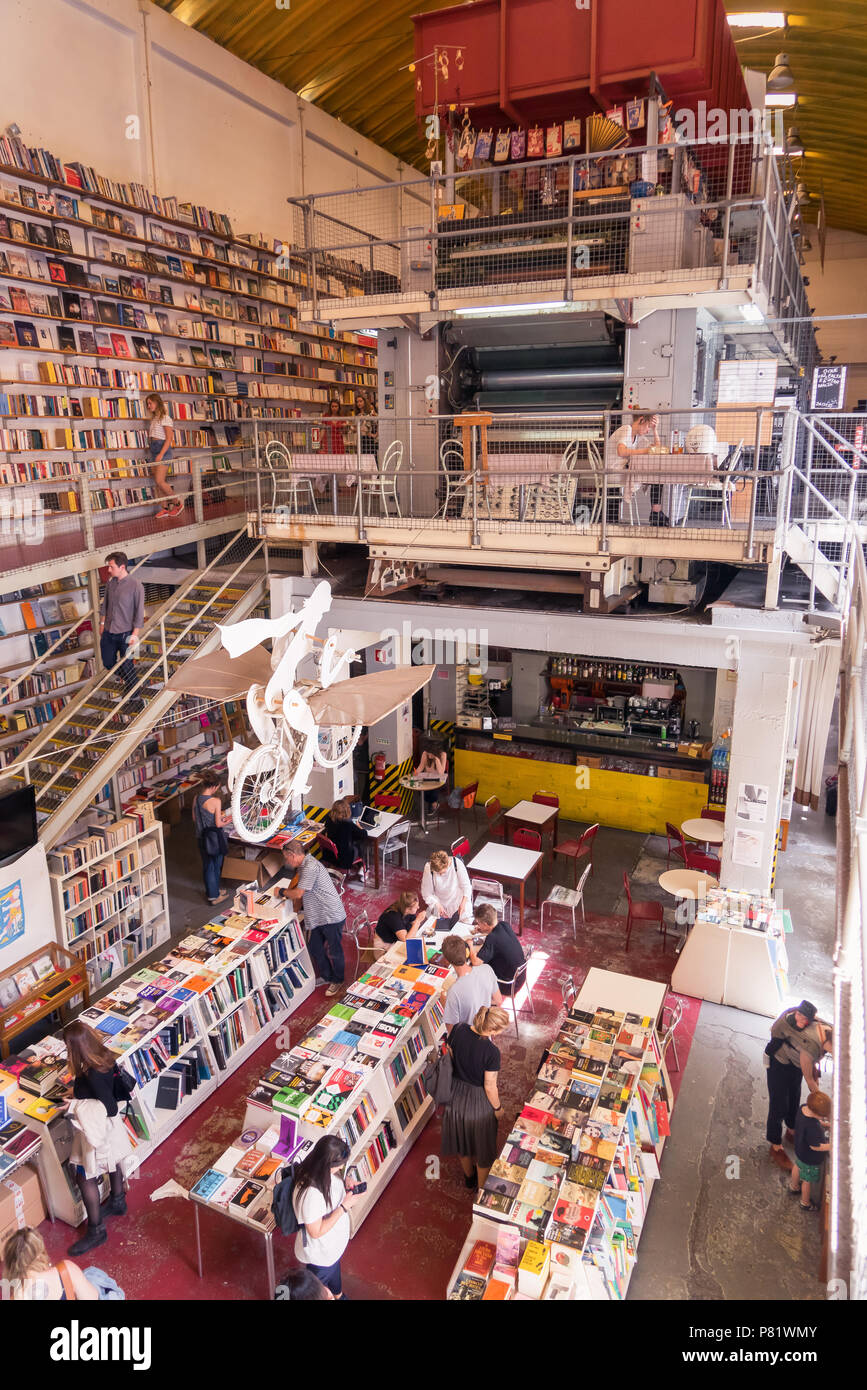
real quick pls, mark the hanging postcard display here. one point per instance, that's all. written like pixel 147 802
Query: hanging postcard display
pixel 615 113
pixel 535 143
pixel 467 143
pixel 501 148
pixel 554 141
pixel 572 134
pixel 549 185
pixel 484 140
pixel 519 144
pixel 634 115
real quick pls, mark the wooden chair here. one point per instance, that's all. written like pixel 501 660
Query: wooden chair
pixel 495 816
pixel 643 912
pixel 582 848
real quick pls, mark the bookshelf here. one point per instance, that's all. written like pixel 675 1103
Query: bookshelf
pixel 109 292
pixel 573 1181
pixel 109 891
pixel 162 1019
pixel 382 1114
pixel 31 621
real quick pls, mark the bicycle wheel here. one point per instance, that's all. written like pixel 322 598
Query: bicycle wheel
pixel 260 796
pixel 335 744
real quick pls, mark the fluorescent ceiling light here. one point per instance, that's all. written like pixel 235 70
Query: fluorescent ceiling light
pixel 488 310
pixel 794 152
pixel 758 19
pixel 780 98
pixel 752 313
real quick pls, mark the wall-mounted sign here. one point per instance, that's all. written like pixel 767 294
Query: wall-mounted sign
pixel 829 387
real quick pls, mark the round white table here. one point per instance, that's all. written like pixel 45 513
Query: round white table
pixel 708 832
pixel 422 785
pixel 686 883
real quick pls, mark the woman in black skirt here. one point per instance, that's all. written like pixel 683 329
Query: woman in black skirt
pixel 470 1121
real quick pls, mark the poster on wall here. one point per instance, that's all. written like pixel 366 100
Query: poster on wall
pixel 11 913
pixel 747 848
pixel 26 910
pixel 752 803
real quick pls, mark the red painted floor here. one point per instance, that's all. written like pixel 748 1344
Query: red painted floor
pixel 410 1241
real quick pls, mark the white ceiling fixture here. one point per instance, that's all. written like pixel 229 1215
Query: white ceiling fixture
pixel 490 310
pixel 758 19
pixel 781 98
pixel 752 313
pixel 780 76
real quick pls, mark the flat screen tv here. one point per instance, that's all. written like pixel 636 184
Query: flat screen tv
pixel 17 821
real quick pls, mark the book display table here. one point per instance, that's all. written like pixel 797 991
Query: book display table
pixel 561 1212
pixel 735 953
pixel 182 1025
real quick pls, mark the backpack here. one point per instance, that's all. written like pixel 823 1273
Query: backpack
pixel 282 1207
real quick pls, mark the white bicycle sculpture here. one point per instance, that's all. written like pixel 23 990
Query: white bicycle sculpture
pixel 265 779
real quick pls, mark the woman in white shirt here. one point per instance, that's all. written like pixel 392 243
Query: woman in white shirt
pixel 322 1204
pixel 160 436
pixel 445 887
pixel 639 438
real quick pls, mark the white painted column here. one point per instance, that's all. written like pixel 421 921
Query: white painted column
pixel 760 733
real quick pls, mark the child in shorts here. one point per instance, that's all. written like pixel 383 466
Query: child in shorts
pixel 811 1145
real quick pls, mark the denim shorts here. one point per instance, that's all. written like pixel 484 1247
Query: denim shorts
pixel 154 447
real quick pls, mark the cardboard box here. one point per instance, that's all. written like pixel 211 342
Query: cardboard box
pixel 21 1207
pixel 238 869
pixel 270 863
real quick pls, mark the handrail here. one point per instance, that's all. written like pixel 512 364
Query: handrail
pixel 23 761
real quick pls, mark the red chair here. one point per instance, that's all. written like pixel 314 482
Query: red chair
pixel 549 799
pixel 675 844
pixel 579 849
pixel 384 801
pixel 467 803
pixel 643 912
pixel 714 813
pixel 495 815
pixel 330 858
pixel 527 839
pixel 329 849
pixel 698 860
pixel 461 848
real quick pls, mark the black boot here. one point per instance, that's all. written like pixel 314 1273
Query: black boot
pixel 115 1206
pixel 93 1236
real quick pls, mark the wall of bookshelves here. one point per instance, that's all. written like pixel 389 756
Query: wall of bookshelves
pixel 94 274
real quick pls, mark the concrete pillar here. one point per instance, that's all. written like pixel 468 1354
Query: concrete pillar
pixel 392 735
pixel 760 739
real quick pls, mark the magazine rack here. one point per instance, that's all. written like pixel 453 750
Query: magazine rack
pixel 67 981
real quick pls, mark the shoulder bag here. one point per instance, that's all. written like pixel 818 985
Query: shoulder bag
pixel 438 1076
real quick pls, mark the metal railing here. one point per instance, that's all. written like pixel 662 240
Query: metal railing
pixel 848 1227
pixel 558 227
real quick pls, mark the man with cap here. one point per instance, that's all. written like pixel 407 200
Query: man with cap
pixel 798 1040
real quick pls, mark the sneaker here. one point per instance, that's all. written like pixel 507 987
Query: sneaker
pixel 93 1236
pixel 334 988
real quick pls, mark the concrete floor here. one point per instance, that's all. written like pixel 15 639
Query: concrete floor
pixel 719 1225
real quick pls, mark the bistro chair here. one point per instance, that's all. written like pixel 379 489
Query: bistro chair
pixel 549 799
pixel 286 484
pixel 698 860
pixel 570 899
pixel 570 992
pixel 490 891
pixel 675 844
pixel 383 485
pixel 715 493
pixel 460 848
pixel 361 927
pixel 330 857
pixel 466 802
pixel 519 982
pixel 385 801
pixel 672 1013
pixel 495 817
pixel 714 813
pixel 527 839
pixel 582 848
pixel 645 911
pixel 395 844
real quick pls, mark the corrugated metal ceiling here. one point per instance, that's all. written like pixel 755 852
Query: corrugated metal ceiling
pixel 347 55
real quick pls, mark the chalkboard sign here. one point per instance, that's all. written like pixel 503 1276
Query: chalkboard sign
pixel 829 388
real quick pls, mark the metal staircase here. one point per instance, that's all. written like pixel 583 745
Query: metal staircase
pixel 73 757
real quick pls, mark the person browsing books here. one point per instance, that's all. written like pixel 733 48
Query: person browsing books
pixel 101 1142
pixel 211 837
pixel 470 1119
pixel 501 949
pixel 31 1276
pixel 475 987
pixel 324 917
pixel 811 1146
pixel 161 435
pixel 121 616
pixel 322 1204
pixel 402 919
pixel 445 887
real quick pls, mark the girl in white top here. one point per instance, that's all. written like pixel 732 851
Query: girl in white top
pixel 638 439
pixel 32 1276
pixel 445 886
pixel 322 1204
pixel 160 437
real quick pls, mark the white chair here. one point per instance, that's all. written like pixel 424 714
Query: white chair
pixel 361 926
pixel 566 480
pixel 519 982
pixel 284 480
pixel 570 992
pixel 671 1015
pixel 570 899
pixel 616 491
pixel 459 483
pixel 395 843
pixel 718 493
pixel 383 484
pixel 489 891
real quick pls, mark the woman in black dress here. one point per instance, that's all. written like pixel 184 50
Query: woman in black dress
pixel 470 1120
pixel 101 1142
pixel 349 839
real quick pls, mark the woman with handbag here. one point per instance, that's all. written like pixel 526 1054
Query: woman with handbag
pixel 321 1202
pixel 211 837
pixel 101 1142
pixel 30 1274
pixel 470 1118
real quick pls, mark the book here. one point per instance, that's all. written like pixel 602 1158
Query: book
pixel 208 1184
pixel 170 1091
pixel 480 1260
pixel 467 1288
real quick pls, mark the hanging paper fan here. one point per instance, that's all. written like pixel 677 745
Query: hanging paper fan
pixel 603 133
